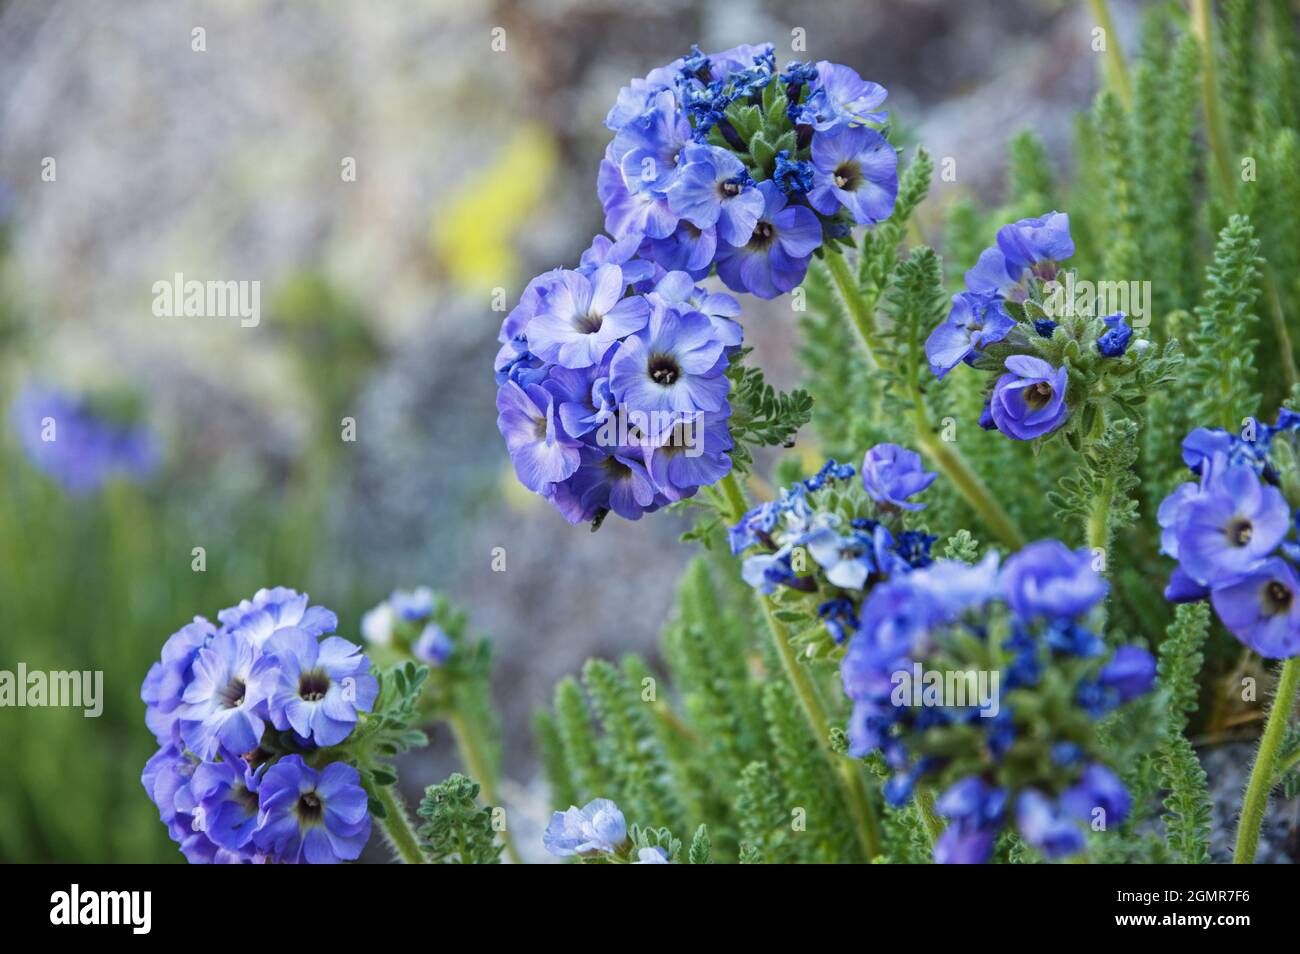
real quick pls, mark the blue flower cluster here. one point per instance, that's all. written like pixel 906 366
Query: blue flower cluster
pixel 597 830
pixel 1028 400
pixel 1005 753
pixel 612 376
pixel 78 444
pixel 244 713
pixel 1233 533
pixel 406 620
pixel 852 551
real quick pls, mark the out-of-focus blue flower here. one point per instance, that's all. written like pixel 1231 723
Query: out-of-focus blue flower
pixel 975 812
pixel 775 257
pixel 891 474
pixel 598 827
pixel 839 616
pixel 1262 608
pixel 1044 825
pixel 840 97
pixel 1114 340
pixel 76 445
pixel 1131 672
pixel 317 817
pixel 1098 790
pixel 1048 579
pixel 854 168
pixel 315 688
pixel 433 646
pixel 653 855
pixel 848 559
pixel 1029 401
pixel 974 321
pixel 412 605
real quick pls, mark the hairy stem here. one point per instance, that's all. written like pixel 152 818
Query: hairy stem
pixel 471 754
pixel 1262 775
pixel 848 772
pixel 855 307
pixel 933 823
pixel 397 825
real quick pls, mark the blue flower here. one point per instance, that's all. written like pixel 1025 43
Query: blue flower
pixel 891 474
pixel 222 707
pixel 1130 673
pixel 167 680
pixel 1114 340
pixel 688 248
pixel 598 827
pixel 1028 248
pixel 830 471
pixel 854 168
pixel 315 688
pixel 271 610
pixel 433 646
pixel 653 855
pixel 226 793
pixel 1045 826
pixel 974 322
pixel 840 97
pixel 317 817
pixel 541 452
pixel 412 605
pixel 713 189
pixel 643 213
pixel 692 453
pixel 78 445
pixel 847 559
pixel 1262 608
pixel 607 479
pixel 1029 401
pixel 1230 525
pixel 1045 327
pixel 649 148
pixel 974 811
pixel 674 364
pixel 1098 790
pixel 839 616
pixel 794 176
pixel 1048 579
pixel 775 257
pixel 580 318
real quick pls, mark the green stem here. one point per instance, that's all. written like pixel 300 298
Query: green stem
pixel 1261 776
pixel 859 314
pixel 397 826
pixel 471 754
pixel 933 824
pixel 941 453
pixel 1203 27
pixel 1116 68
pixel 849 774
pixel 1279 327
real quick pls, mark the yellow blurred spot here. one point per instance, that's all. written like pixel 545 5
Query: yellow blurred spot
pixel 515 495
pixel 471 237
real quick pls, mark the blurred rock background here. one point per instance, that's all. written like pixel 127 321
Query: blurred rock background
pixel 475 169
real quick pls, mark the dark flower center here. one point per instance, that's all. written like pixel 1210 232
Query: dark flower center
pixel 589 323
pixel 729 189
pixel 245 799
pixel 232 695
pixel 313 685
pixel 1037 395
pixel 1277 598
pixel 1240 531
pixel 664 369
pixel 763 236
pixel 309 808
pixel 616 469
pixel 848 175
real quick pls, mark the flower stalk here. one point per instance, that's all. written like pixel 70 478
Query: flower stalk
pixel 1262 776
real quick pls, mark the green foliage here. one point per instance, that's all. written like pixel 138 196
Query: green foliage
pixel 761 416
pixel 1099 494
pixel 1222 358
pixel 457 830
pixel 701 847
